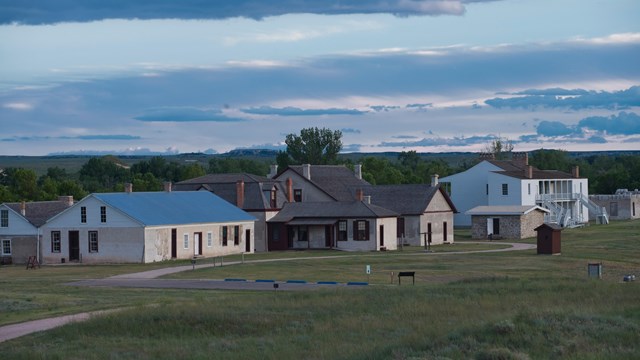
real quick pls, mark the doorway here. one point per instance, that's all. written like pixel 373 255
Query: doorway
pixel 381 235
pixel 197 243
pixel 174 243
pixel 74 245
pixel 247 240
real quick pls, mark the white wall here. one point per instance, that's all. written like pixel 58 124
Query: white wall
pixel 496 197
pixel 18 225
pixel 468 190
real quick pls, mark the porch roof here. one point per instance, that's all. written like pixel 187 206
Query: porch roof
pixel 312 222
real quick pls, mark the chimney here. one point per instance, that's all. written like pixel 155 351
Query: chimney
pixel 487 156
pixel 167 186
pixel 520 158
pixel 240 193
pixel 367 199
pixel 23 208
pixel 434 179
pixel 67 200
pixel 289 190
pixel 359 195
pixel 306 171
pixel 128 188
pixel 357 169
pixel 575 171
pixel 273 171
pixel 528 172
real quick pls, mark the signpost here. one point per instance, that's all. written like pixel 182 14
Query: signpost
pixel 368 271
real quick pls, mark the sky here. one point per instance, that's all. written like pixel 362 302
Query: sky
pixel 164 77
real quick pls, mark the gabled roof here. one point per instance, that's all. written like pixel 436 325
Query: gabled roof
pixel 171 208
pixel 331 210
pixel 335 180
pixel 405 199
pixel 224 185
pixel 505 210
pixel 516 169
pixel 38 212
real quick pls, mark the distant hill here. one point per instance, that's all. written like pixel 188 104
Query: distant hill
pixel 73 163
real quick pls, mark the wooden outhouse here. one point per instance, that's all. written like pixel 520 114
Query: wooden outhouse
pixel 549 236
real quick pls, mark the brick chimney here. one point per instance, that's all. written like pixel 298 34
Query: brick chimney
pixel 67 200
pixel 289 190
pixel 575 171
pixel 306 171
pixel 520 158
pixel 357 169
pixel 167 186
pixel 359 195
pixel 23 208
pixel 128 188
pixel 434 179
pixel 528 172
pixel 240 193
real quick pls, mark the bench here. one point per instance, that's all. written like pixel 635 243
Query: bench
pixel 402 274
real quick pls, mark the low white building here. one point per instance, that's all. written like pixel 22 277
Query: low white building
pixel 143 227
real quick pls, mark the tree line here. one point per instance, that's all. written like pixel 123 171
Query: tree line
pixel 314 146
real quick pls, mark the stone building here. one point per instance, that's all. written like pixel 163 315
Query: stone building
pixel 506 222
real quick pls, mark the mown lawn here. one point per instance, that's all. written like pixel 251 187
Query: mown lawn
pixel 514 305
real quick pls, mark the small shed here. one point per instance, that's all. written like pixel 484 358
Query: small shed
pixel 549 236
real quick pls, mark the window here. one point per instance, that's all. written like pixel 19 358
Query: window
pixel 55 241
pixel 4 218
pixel 505 189
pixel 297 195
pixel 6 246
pixel 93 241
pixel 236 235
pixel 361 230
pixel 342 230
pixel 225 235
pixel 83 214
pixel 209 239
pixel 529 188
pixel 185 241
pixel 272 201
pixel 103 214
pixel 487 186
pixel 303 233
pixel 633 208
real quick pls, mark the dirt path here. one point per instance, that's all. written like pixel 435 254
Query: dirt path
pixel 149 279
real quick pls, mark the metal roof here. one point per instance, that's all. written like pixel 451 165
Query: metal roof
pixel 177 207
pixel 505 210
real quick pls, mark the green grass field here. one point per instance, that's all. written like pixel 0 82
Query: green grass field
pixel 509 305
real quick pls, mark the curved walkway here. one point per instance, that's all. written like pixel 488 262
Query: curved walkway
pixel 149 279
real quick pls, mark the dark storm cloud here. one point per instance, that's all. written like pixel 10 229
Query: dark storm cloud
pixel 622 124
pixel 571 99
pixel 48 11
pixel 294 111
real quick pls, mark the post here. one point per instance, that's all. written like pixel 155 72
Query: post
pixel 243 258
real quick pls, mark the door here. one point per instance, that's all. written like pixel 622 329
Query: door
pixel 496 226
pixel 428 234
pixel 247 240
pixel 74 245
pixel 197 243
pixel 381 235
pixel 174 243
pixel 328 235
pixel 489 226
pixel 445 231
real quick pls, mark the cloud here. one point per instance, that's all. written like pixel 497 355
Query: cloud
pixel 351 148
pixel 385 108
pixel 294 111
pixel 186 114
pixel 79 137
pixel 443 141
pixel 554 128
pixel 571 99
pixel 350 131
pixel 20 106
pixel 47 11
pixel 622 124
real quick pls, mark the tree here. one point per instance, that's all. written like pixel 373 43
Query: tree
pixel 313 146
pixel 501 148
